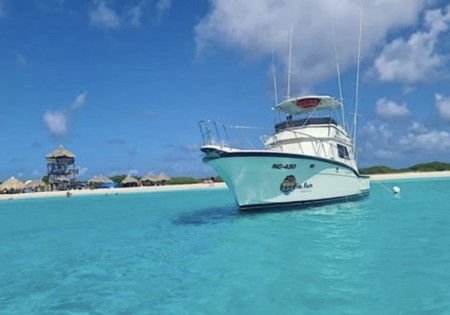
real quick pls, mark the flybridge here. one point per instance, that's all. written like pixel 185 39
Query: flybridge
pixel 300 105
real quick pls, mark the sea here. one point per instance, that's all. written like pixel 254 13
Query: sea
pixel 194 252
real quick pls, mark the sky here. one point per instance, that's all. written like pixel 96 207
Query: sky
pixel 123 84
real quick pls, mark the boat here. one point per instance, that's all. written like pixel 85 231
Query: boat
pixel 308 158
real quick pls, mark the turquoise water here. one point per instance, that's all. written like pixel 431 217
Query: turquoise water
pixel 193 252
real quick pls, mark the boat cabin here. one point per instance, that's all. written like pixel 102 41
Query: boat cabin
pixel 289 123
pixel 316 129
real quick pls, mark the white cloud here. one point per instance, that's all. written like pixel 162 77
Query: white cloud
pixel 102 16
pixel 82 170
pixel 443 106
pixel 387 154
pixel 79 100
pixel 162 6
pixel 56 122
pixel 417 127
pixel 378 141
pixel 133 172
pixel 256 27
pixel 430 141
pixel 392 142
pixel 377 131
pixel 388 109
pixel 135 14
pixel 415 59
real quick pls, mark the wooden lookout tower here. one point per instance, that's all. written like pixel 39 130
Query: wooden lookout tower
pixel 61 169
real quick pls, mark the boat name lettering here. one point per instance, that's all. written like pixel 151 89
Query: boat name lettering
pixel 278 166
pixel 289 184
pixel 305 185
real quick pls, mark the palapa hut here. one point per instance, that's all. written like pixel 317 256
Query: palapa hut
pixel 163 178
pixel 61 169
pixel 12 186
pixel 129 181
pixel 35 185
pixel 149 180
pixel 99 180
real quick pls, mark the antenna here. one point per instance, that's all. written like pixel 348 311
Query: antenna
pixel 274 79
pixel 289 67
pixel 341 99
pixel 357 85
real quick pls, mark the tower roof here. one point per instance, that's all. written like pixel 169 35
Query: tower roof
pixel 60 152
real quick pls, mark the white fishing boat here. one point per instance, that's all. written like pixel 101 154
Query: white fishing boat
pixel 308 159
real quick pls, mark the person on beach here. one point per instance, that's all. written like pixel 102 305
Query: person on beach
pixel 211 181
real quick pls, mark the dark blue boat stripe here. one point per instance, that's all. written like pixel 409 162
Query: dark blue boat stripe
pixel 305 203
pixel 224 154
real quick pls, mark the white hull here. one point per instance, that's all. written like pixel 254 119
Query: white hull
pixel 308 159
pixel 271 178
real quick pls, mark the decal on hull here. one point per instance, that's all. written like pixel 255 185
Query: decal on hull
pixel 288 185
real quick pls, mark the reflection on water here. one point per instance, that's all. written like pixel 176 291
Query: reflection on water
pixel 316 208
pixel 207 216
pixel 230 213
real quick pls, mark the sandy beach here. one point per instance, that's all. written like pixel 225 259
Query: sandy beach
pixel 109 191
pixel 410 175
pixel 149 189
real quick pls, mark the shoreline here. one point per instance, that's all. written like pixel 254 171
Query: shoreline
pixel 410 175
pixel 110 191
pixel 150 189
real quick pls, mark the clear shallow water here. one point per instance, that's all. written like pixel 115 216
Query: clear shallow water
pixel 193 252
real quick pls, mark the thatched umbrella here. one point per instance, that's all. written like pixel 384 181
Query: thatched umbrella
pixel 35 184
pixel 149 179
pixel 130 181
pixel 100 179
pixel 12 184
pixel 164 178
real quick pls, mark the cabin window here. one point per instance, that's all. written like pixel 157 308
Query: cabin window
pixel 342 151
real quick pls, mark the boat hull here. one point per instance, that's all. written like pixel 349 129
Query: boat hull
pixel 261 179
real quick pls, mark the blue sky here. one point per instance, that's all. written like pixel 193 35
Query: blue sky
pixel 122 84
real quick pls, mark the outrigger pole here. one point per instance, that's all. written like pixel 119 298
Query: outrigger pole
pixel 289 67
pixel 355 118
pixel 341 98
pixel 274 79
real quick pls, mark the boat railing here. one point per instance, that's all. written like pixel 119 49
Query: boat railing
pixel 326 147
pixel 300 138
pixel 238 137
